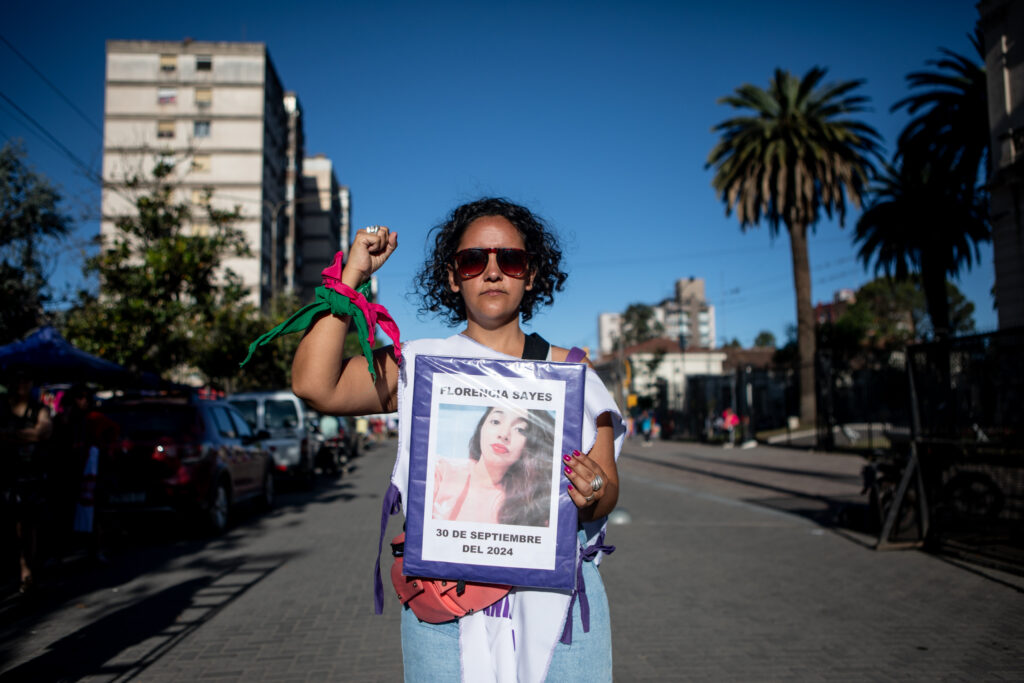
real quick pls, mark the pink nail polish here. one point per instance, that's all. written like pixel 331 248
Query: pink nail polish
pixel 568 470
pixel 566 458
pixel 571 488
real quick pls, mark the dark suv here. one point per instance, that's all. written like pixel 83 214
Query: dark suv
pixel 193 456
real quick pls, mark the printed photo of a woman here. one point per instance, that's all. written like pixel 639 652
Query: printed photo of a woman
pixel 507 478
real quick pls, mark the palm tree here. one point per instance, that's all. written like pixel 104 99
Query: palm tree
pixel 952 127
pixel 928 215
pixel 795 155
pixel 920 221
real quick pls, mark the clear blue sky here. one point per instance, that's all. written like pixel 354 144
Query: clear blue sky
pixel 597 115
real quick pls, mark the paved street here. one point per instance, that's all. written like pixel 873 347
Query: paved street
pixel 735 565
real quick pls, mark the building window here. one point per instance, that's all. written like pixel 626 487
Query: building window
pixel 165 129
pixel 166 95
pixel 200 198
pixel 201 129
pixel 168 63
pixel 204 96
pixel 200 228
pixel 201 163
pixel 204 63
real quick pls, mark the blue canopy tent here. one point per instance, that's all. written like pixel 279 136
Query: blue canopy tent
pixel 49 358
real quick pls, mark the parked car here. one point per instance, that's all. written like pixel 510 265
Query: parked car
pixel 337 442
pixel 292 443
pixel 193 456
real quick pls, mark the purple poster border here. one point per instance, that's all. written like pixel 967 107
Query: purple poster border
pixel 563 576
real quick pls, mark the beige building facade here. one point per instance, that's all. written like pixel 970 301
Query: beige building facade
pixel 326 210
pixel 218 110
pixel 1002 24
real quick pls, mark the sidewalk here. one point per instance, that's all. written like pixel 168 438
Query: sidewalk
pixel 733 568
pixel 730 568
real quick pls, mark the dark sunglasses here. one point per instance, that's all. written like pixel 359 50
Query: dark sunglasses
pixel 471 262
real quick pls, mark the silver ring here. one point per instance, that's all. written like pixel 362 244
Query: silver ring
pixel 589 498
pixel 597 483
pixel 372 229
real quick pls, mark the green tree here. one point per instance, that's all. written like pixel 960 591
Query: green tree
pixel 30 222
pixel 164 293
pixel 733 343
pixel 919 222
pixel 929 214
pixel 639 324
pixel 889 314
pixel 764 338
pixel 230 332
pixel 797 153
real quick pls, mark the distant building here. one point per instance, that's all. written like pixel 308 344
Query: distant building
pixel 220 105
pixel 657 365
pixel 687 318
pixel 325 223
pixel 609 327
pixel 1002 25
pixel 831 312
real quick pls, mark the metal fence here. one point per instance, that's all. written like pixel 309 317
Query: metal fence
pixel 864 407
pixel 761 397
pixel 958 485
pixel 967 395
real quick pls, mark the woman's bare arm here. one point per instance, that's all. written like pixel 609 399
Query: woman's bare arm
pixel 321 375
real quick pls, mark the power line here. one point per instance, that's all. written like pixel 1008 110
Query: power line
pixel 67 152
pixel 53 87
pixel 646 259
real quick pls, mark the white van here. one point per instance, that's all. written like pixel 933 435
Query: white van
pixel 292 443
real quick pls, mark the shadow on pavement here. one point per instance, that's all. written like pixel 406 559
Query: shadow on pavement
pixel 138 545
pixel 146 628
pixel 834 512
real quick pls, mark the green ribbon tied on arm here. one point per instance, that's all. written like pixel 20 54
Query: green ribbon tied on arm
pixel 327 301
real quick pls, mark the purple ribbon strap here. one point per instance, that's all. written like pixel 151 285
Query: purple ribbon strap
pixel 391 505
pixel 587 554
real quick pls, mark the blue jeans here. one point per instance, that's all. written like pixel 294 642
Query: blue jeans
pixel 430 652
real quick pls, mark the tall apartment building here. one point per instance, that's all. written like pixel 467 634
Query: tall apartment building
pixel 221 107
pixel 326 209
pixel 687 319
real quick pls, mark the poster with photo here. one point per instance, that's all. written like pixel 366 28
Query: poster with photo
pixel 487 499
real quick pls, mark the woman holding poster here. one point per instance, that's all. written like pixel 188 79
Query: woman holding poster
pixel 493 263
pixel 506 479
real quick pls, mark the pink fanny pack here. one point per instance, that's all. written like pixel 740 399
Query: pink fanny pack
pixel 436 601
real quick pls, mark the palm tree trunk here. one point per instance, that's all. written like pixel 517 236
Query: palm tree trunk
pixel 804 321
pixel 933 282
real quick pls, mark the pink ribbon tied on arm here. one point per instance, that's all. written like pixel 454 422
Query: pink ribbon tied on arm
pixel 374 313
pixel 339 299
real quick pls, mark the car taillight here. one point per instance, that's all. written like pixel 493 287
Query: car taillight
pixel 167 450
pixel 161 454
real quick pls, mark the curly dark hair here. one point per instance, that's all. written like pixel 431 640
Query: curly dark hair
pixel 527 482
pixel 541 244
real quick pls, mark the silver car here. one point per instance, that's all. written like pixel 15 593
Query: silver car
pixel 292 443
